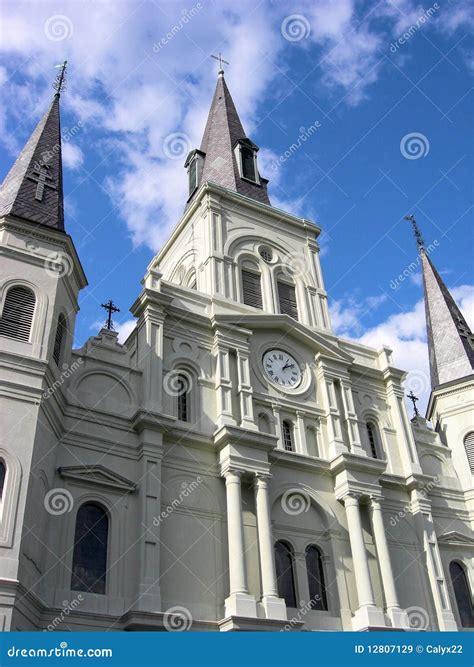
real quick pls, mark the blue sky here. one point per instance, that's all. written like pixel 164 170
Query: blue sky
pixel 354 80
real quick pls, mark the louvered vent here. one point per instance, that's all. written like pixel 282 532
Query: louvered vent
pixel 252 289
pixel 58 341
pixel 17 314
pixel 287 298
pixel 469 447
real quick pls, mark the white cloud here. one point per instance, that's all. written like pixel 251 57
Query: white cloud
pixel 73 157
pixel 404 333
pixel 125 329
pixel 135 96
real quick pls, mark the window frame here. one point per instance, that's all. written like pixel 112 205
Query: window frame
pixel 240 162
pixel 291 285
pixel 292 581
pixel 288 435
pixel 6 292
pixel 251 271
pixel 106 515
pixel 467 592
pixel 321 579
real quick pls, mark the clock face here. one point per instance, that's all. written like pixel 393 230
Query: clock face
pixel 282 369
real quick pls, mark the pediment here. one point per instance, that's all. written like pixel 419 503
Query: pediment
pixel 99 475
pixel 321 343
pixel 454 537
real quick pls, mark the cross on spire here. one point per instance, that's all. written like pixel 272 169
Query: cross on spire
pixel 416 230
pixel 110 307
pixel 40 175
pixel 221 61
pixel 60 83
pixel 414 399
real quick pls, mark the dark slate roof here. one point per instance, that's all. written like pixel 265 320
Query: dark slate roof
pixel 223 130
pixel 450 340
pixel 21 193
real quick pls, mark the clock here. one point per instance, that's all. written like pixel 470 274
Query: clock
pixel 282 369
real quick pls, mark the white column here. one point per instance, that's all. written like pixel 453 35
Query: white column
pixel 368 614
pixel 239 602
pixel 274 606
pixel 393 607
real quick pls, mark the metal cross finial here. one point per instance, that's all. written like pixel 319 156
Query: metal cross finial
pixel 416 229
pixel 221 61
pixel 414 399
pixel 110 307
pixel 60 83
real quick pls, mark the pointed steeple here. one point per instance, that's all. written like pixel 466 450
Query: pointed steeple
pixel 33 188
pixel 450 340
pixel 220 153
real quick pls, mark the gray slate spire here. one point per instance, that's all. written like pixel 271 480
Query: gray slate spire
pixel 33 188
pixel 223 131
pixel 450 340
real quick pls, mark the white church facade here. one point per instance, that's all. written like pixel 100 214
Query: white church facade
pixel 234 465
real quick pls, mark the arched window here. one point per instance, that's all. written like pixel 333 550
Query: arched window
pixel 59 338
pixel 191 280
pixel 247 155
pixel 17 314
pixel 469 447
pixel 287 430
pixel 252 288
pixel 316 583
pixel 287 299
pixel 462 594
pixel 183 392
pixel 3 474
pixel 89 561
pixel 372 436
pixel 263 421
pixel 284 571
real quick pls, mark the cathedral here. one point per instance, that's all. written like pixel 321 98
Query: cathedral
pixel 233 465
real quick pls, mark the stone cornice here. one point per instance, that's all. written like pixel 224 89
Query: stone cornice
pixel 98 474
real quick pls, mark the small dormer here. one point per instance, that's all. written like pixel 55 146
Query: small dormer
pixel 194 165
pixel 246 157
